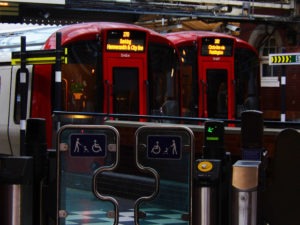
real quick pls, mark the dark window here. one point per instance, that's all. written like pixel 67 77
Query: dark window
pixel 125 90
pixel 163 80
pixel 82 87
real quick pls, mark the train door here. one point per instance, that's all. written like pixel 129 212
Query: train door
pixel 10 97
pixel 217 91
pixel 126 92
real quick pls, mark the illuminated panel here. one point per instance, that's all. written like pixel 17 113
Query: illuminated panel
pixel 125 41
pixel 212 46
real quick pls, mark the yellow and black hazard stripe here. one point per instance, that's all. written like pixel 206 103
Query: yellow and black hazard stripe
pixel 39 57
pixel 281 59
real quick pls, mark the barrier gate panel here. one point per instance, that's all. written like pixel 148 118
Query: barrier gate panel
pixel 83 151
pixel 167 153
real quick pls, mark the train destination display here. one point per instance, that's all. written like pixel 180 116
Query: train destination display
pixel 119 40
pixel 216 46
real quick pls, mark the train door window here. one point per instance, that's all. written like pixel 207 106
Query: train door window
pixel 17 105
pixel 125 90
pixel 80 78
pixel 216 93
pixel 17 109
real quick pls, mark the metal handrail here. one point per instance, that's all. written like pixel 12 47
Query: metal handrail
pixel 161 118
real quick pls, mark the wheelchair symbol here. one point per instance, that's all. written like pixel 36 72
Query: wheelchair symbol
pixel 156 148
pixel 96 147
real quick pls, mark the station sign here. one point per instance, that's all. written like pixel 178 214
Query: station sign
pixel 284 59
pixel 88 145
pixel 164 147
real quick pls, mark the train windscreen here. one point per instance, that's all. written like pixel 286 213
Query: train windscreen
pixel 163 81
pixel 189 91
pixel 80 79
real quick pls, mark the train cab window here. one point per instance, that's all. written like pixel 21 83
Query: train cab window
pixel 163 81
pixel 81 89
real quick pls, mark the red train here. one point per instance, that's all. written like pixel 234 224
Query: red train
pixel 219 74
pixel 112 68
pixel 126 69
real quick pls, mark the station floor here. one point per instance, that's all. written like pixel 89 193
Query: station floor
pixel 96 217
pixel 83 208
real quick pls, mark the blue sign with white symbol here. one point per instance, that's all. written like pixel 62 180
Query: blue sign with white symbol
pixel 164 147
pixel 88 145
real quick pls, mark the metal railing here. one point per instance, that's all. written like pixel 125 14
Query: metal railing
pixel 163 119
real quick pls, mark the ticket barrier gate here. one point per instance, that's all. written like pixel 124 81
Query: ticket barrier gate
pixel 212 178
pixel 83 151
pixel 252 128
pixel 36 147
pixel 87 160
pixel 168 153
pixel 207 181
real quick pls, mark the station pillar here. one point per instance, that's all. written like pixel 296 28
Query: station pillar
pixel 16 190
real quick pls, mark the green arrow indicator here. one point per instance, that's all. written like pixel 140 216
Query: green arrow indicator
pixel 284 59
pixel 210 129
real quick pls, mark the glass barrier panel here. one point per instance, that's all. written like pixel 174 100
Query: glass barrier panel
pixel 84 150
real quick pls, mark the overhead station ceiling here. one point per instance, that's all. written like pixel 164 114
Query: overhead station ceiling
pixel 163 16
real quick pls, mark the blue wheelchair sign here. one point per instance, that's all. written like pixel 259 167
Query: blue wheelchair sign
pixel 164 147
pixel 88 145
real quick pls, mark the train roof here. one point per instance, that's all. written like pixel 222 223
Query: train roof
pixel 38 36
pixel 89 30
pixel 188 36
pixel 10 38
